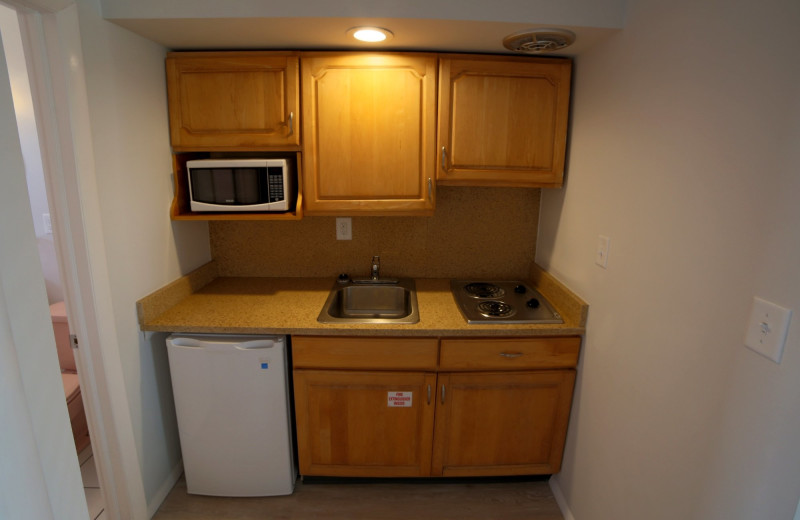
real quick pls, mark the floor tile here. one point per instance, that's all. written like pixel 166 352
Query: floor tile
pixel 89 474
pixel 94 501
pixel 85 454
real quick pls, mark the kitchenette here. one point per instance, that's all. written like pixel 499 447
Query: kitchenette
pixel 422 340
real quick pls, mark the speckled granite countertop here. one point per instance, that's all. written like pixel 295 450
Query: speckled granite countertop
pixel 203 302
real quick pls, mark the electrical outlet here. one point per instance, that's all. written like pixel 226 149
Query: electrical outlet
pixel 767 329
pixel 601 255
pixel 344 228
pixel 48 226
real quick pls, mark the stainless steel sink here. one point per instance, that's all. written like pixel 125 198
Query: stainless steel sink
pixel 371 301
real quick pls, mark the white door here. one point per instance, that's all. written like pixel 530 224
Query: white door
pixel 39 476
pixel 52 43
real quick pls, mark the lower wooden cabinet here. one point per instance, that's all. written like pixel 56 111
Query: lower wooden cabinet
pixel 346 425
pixel 501 423
pixel 421 419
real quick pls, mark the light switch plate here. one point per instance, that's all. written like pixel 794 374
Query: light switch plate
pixel 767 329
pixel 601 255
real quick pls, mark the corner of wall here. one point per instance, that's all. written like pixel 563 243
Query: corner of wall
pixel 561 500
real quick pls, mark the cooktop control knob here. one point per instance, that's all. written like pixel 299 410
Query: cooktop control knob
pixel 533 303
pixel 520 289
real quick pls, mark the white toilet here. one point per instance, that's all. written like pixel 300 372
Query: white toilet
pixel 69 376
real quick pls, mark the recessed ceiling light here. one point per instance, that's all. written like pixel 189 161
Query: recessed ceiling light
pixel 370 34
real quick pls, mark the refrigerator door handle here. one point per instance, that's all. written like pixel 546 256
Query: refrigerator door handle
pixel 210 344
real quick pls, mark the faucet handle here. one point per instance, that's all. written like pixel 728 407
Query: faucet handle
pixel 376 267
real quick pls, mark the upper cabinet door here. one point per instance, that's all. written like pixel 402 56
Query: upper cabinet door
pixel 233 101
pixel 369 123
pixel 502 120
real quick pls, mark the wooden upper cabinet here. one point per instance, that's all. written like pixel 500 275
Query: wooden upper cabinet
pixel 502 120
pixel 233 101
pixel 369 123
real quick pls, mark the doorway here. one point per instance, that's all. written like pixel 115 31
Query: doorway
pixel 48 256
pixel 52 49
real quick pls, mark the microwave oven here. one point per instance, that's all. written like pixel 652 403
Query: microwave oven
pixel 240 184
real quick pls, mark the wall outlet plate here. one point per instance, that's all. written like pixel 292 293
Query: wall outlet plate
pixel 344 228
pixel 767 329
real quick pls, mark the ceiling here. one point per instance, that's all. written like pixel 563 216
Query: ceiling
pixel 418 25
pixel 329 33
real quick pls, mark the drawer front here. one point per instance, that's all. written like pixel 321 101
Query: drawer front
pixel 365 353
pixel 509 353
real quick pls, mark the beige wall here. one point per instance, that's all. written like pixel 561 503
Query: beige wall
pixel 475 232
pixel 684 151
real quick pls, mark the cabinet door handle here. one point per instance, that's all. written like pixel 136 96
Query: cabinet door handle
pixel 511 354
pixel 291 124
pixel 429 394
pixel 442 394
pixel 430 189
pixel 444 159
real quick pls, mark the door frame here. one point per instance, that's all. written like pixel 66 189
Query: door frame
pixel 52 45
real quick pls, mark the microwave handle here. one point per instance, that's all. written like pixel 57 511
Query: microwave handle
pixel 291 124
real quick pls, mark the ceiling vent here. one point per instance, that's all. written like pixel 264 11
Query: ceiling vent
pixel 539 41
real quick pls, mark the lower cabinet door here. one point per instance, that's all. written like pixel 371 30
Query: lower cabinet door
pixel 373 424
pixel 501 423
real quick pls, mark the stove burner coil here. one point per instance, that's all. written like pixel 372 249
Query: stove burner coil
pixel 494 309
pixel 484 290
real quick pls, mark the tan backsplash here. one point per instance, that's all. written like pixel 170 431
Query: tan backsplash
pixel 475 233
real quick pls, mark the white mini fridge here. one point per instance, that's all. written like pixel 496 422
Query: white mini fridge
pixel 232 402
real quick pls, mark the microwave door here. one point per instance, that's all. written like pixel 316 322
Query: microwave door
pixel 246 181
pixel 224 186
pixel 201 187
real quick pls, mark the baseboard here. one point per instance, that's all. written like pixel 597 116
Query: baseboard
pixel 561 500
pixel 163 491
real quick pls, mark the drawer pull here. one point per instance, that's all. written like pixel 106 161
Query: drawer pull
pixel 442 394
pixel 511 354
pixel 429 394
pixel 291 123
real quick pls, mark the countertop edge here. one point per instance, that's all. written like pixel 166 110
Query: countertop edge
pixel 201 302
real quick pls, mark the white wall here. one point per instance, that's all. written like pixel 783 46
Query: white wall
pixel 127 102
pixel 684 151
pixel 31 155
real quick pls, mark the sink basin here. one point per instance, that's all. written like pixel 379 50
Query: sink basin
pixel 365 301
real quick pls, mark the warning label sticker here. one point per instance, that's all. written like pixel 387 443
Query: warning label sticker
pixel 400 399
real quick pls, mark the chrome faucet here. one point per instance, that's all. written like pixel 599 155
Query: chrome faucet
pixel 375 270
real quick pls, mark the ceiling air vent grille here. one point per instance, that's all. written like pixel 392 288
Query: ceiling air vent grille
pixel 539 41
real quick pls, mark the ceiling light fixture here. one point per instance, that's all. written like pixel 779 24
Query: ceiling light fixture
pixel 370 34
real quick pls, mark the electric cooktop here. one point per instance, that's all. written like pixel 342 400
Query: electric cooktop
pixel 509 302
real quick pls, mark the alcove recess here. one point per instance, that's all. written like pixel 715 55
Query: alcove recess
pixel 180 209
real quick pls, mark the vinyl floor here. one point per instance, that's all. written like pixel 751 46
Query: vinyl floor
pixel 376 500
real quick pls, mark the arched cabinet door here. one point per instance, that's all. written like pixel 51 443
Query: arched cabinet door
pixel 369 124
pixel 234 100
pixel 502 120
